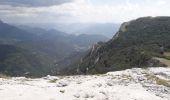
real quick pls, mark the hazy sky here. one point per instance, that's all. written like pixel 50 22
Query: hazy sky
pixel 77 11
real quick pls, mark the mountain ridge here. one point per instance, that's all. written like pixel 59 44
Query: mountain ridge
pixel 134 45
pixel 47 48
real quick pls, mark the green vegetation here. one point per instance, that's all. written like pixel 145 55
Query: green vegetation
pixel 15 61
pixel 62 91
pixel 162 82
pixel 158 80
pixel 53 81
pixel 134 45
pixel 38 52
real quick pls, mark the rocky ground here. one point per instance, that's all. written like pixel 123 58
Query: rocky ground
pixel 131 84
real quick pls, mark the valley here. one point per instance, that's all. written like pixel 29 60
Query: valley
pixel 37 52
pixel 84 50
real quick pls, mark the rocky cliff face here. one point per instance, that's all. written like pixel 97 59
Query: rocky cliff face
pixel 134 45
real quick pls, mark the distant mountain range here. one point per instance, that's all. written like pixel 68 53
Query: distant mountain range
pixel 12 32
pixel 27 51
pixel 144 42
pixel 106 29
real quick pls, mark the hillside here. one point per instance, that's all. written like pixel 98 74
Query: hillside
pixel 135 45
pixel 16 61
pixel 38 52
pixel 10 34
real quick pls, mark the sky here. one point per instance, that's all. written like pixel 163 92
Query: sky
pixel 80 11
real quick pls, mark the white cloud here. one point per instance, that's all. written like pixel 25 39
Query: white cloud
pixel 34 3
pixel 85 11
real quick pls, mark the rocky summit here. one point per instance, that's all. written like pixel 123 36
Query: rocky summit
pixel 130 84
